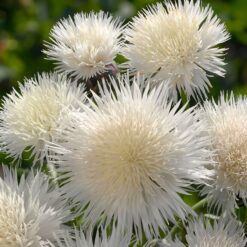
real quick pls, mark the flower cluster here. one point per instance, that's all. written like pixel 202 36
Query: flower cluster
pixel 31 210
pixel 112 165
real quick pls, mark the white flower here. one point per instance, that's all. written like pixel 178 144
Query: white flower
pixel 30 212
pixel 130 155
pixel 86 45
pixel 32 117
pixel 222 233
pixel 226 126
pixel 177 43
pixel 100 240
pixel 164 243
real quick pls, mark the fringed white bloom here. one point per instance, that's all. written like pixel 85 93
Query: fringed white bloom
pixel 86 45
pixel 31 117
pixel 226 126
pixel 30 212
pixel 225 232
pixel 130 155
pixel 100 240
pixel 177 43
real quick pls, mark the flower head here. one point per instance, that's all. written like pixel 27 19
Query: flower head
pixel 224 232
pixel 85 45
pixel 31 211
pixel 100 240
pixel 226 126
pixel 32 117
pixel 130 154
pixel 221 233
pixel 177 43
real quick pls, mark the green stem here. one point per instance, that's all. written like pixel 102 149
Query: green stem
pixel 200 204
pixel 196 207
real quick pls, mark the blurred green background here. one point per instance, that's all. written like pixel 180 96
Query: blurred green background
pixel 25 24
